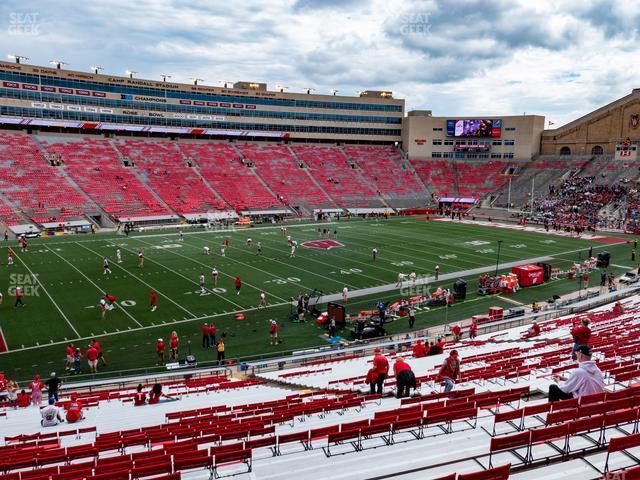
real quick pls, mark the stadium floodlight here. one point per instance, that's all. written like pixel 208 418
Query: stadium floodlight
pixel 309 90
pixel 334 91
pixel 58 63
pixel 130 73
pixel 17 57
pixel 225 83
pixel 96 69
pixel 164 77
pixel 196 80
pixel 282 88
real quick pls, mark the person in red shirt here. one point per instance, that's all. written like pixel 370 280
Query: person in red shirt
pixel 238 283
pixel 152 302
pixel 457 332
pixel 74 410
pixel 173 346
pixel 205 335
pixel 273 332
pixel 212 334
pixel 405 378
pixel 617 309
pixel 534 330
pixel 581 335
pixel 19 295
pixel 160 351
pixel 371 379
pixel 473 329
pixel 139 398
pixel 419 350
pixel 96 344
pixel 450 371
pixel 24 399
pixel 381 364
pixel 69 364
pixel 92 358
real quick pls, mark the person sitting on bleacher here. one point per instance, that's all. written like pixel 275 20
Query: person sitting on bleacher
pixel 450 371
pixel 587 379
pixel 581 335
pixel 534 330
pixel 51 415
pixel 419 350
pixel 437 348
pixel 74 410
pixel 140 398
pixel 155 395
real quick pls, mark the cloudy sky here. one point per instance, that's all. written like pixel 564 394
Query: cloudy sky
pixel 456 57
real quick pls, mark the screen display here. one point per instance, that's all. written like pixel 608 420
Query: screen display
pixel 479 128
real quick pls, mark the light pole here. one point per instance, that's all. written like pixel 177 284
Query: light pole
pixel 498 257
pixel 96 69
pixel 17 58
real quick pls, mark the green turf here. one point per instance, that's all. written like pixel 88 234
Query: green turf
pixel 70 282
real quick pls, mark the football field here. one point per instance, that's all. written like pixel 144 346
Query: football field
pixel 63 280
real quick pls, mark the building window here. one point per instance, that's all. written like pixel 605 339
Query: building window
pixel 448 142
pixel 509 143
pixel 472 155
pixel 508 155
pixel 436 129
pixel 483 155
pixel 436 154
pixel 459 155
pixel 510 129
pixel 448 155
pixel 496 142
pixel 565 151
pixel 597 150
pixel 496 155
pixel 436 141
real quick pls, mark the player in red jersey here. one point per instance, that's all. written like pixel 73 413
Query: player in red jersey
pixel 9 256
pixel 238 283
pixel 152 301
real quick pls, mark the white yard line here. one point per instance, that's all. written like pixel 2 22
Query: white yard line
pixel 93 283
pixel 55 304
pixel 143 282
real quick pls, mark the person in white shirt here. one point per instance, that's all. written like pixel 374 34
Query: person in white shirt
pixel 51 415
pixel 584 380
pixel 119 255
pixel 293 251
pixel 201 282
pixel 345 294
pixel 206 250
pixel 214 276
pixel 412 277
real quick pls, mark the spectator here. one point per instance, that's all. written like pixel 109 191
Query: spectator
pixel 160 346
pixel 534 330
pixel 50 414
pixel 372 379
pixel 53 384
pixel 156 395
pixel 139 398
pixel 74 410
pixel 419 350
pixel 457 332
pixel 24 399
pixel 220 350
pixel 212 334
pixel 12 393
pixel 438 348
pixel 36 390
pixel 405 378
pixel 585 380
pixel 450 371
pixel 69 363
pixel 77 357
pixel 381 365
pixel 473 329
pixel 581 335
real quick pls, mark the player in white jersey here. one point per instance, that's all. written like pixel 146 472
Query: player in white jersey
pixel 214 276
pixel 259 249
pixel 105 266
pixel 412 277
pixel 345 294
pixel 401 278
pixel 289 239
pixel 118 256
pixel 180 235
pixel 141 259
pixel 293 251
pixel 201 282
pixel 263 300
pixel 249 243
pixel 374 253
pixel 223 249
pixel 206 250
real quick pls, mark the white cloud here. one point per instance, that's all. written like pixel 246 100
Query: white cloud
pixel 457 57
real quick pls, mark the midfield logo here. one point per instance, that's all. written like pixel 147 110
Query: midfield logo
pixel 323 244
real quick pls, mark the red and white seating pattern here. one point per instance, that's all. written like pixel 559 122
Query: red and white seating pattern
pixel 163 167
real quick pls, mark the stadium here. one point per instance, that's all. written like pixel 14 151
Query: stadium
pixel 247 280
